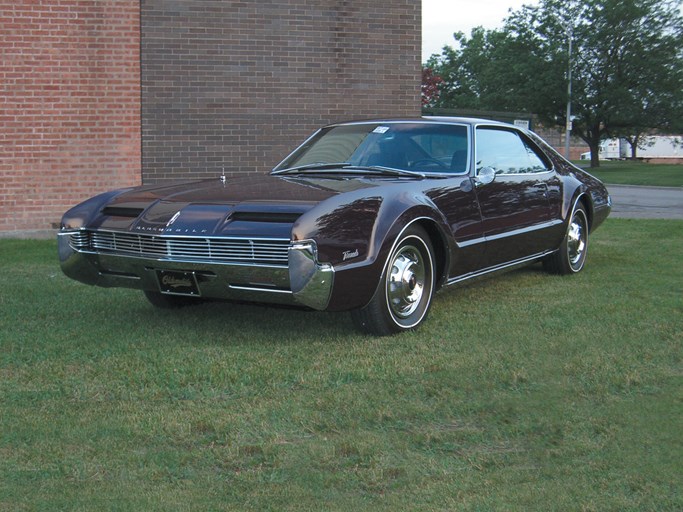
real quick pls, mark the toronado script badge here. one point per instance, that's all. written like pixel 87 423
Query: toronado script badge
pixel 350 254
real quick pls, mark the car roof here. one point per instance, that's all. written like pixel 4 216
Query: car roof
pixel 467 120
pixel 427 120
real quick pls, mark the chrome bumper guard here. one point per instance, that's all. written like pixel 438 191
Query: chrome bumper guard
pixel 302 281
pixel 310 282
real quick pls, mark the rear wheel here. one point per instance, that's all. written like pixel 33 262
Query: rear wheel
pixel 164 301
pixel 571 256
pixel 403 296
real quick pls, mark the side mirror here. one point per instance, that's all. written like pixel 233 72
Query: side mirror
pixel 485 176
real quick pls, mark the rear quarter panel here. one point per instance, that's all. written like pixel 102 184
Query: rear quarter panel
pixel 578 183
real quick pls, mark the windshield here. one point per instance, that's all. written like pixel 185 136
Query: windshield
pixel 412 147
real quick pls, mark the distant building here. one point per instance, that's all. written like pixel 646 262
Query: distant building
pixel 103 94
pixel 667 149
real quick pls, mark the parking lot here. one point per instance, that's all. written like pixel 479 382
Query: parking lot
pixel 646 202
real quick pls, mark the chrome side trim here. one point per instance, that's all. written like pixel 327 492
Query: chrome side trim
pixel 535 173
pixel 528 229
pixel 474 241
pixel 497 268
pixel 258 289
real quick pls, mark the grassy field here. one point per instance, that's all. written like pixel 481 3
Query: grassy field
pixel 524 392
pixel 627 172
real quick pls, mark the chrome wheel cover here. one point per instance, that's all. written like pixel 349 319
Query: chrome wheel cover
pixel 406 281
pixel 577 239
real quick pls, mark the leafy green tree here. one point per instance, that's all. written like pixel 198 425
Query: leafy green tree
pixel 625 64
pixel 647 93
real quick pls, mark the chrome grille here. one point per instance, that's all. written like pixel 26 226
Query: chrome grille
pixel 226 250
pixel 79 240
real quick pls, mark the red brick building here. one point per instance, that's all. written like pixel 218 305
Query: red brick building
pixel 69 105
pixel 101 94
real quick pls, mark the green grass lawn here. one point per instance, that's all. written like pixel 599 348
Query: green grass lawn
pixel 523 392
pixel 627 172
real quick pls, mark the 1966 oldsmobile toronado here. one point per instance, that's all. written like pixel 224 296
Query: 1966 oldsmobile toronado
pixel 371 216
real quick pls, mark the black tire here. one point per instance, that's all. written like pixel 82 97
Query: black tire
pixel 404 293
pixel 164 301
pixel 571 256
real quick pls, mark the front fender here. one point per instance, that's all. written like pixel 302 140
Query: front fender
pixel 357 235
pixel 83 214
pixel 342 227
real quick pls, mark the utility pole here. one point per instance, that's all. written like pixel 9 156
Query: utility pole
pixel 568 128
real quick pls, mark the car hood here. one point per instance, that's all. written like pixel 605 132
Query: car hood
pixel 251 205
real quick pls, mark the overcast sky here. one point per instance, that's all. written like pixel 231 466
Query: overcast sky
pixel 440 18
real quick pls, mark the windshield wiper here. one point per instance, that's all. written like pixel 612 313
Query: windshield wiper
pixel 392 171
pixel 317 166
pixel 347 167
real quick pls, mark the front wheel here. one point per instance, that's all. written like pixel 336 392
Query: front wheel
pixel 571 256
pixel 404 293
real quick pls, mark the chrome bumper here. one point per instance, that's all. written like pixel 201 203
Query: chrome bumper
pixel 303 281
pixel 310 282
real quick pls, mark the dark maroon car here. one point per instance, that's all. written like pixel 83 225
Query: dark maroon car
pixel 371 217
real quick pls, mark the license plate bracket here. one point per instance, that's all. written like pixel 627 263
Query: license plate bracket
pixel 175 282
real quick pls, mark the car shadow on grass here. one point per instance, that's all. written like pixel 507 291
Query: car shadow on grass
pixel 248 323
pixel 235 322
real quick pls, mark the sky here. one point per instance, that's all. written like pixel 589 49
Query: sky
pixel 440 18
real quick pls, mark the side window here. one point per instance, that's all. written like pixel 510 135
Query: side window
pixel 445 144
pixel 506 152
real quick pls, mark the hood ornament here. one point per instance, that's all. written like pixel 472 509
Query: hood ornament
pixel 173 219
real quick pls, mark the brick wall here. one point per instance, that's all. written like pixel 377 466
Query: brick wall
pixel 236 85
pixel 231 85
pixel 69 105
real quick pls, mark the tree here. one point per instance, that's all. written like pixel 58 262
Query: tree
pixel 648 95
pixel 625 64
pixel 430 87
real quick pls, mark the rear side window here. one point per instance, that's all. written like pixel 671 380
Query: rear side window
pixel 507 152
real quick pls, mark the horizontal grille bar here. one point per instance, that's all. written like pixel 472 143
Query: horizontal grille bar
pixel 226 250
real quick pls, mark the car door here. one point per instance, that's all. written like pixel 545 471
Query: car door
pixel 445 148
pixel 515 207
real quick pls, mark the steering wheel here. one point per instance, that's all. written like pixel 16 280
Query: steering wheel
pixel 427 161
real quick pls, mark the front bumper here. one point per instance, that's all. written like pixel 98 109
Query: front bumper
pixel 303 281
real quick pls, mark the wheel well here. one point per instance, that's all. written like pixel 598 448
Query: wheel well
pixel 440 250
pixel 588 206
